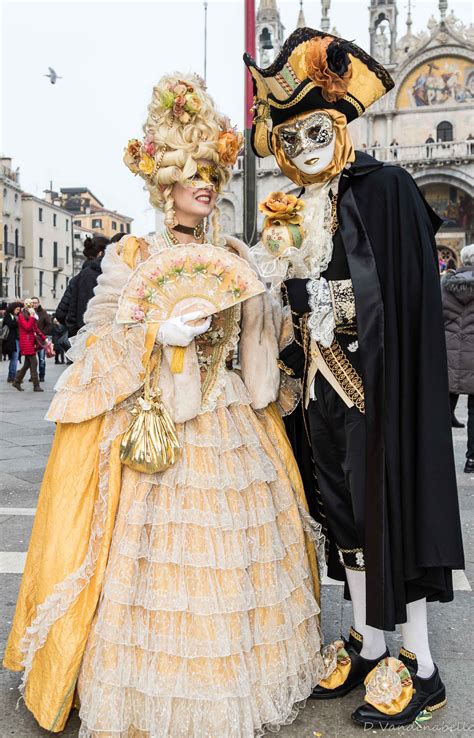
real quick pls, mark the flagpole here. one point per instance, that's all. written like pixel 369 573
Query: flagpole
pixel 250 193
pixel 205 41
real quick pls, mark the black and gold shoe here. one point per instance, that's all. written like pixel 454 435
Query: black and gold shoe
pixel 396 696
pixel 346 668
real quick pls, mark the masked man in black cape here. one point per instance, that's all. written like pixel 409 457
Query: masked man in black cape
pixel 355 256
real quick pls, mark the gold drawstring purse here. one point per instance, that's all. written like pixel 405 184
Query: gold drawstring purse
pixel 150 445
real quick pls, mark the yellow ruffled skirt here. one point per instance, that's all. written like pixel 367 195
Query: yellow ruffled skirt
pixel 207 625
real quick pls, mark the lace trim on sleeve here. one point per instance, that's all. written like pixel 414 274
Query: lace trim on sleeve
pixel 321 322
pixel 107 356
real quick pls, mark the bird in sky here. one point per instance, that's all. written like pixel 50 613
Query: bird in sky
pixel 53 76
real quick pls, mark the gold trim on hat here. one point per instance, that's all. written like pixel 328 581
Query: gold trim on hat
pixel 295 100
pixel 355 104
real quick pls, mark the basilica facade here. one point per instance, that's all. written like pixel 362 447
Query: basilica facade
pixel 425 124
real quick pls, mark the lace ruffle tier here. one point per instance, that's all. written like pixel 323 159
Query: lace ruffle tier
pixel 207 625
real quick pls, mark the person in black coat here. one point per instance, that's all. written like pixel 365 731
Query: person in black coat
pixel 10 343
pixel 60 341
pixel 369 347
pixel 80 289
pixel 81 292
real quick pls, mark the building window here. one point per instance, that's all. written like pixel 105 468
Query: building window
pixel 17 243
pixel 67 281
pixel 55 219
pixel 67 224
pixel 128 227
pixel 444 131
pixel 77 222
pixel 265 39
pixel 41 275
pixel 5 192
pixel 16 197
pixel 122 229
pixel 114 225
pixel 41 247
pixel 55 283
pixel 55 254
pixel 67 254
pixel 96 223
pixel 40 215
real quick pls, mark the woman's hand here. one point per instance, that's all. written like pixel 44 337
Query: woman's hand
pixel 178 331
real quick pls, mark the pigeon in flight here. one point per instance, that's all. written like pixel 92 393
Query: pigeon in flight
pixel 53 76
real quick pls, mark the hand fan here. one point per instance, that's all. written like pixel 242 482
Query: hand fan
pixel 193 278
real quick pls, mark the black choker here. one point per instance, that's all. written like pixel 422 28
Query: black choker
pixel 197 231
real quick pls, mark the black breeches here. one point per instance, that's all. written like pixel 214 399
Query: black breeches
pixel 338 443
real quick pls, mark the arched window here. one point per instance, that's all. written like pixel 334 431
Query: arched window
pixel 266 39
pixel 444 131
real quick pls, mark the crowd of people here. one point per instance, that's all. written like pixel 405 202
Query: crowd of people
pixel 30 334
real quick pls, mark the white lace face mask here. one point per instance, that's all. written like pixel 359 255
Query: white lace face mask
pixel 309 143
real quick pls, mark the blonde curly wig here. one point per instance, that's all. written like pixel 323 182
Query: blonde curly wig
pixel 176 144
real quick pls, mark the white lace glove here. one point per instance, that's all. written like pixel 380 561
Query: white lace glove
pixel 178 332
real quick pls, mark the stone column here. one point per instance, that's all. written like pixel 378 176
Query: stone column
pixel 370 130
pixel 388 130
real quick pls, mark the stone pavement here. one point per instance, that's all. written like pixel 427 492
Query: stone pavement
pixel 25 439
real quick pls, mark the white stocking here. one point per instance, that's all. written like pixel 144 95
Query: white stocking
pixel 373 645
pixel 415 637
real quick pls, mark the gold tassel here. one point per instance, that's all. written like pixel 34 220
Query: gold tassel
pixel 150 445
pixel 177 360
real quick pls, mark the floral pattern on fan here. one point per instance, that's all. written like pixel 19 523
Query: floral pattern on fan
pixel 193 278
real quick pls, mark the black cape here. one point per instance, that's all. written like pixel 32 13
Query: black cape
pixel 412 524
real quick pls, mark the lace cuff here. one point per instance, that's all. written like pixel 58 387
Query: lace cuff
pixel 108 358
pixel 108 368
pixel 289 395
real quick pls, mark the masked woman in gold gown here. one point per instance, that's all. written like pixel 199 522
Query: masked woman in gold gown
pixel 181 603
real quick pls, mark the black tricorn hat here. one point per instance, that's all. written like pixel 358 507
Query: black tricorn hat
pixel 313 71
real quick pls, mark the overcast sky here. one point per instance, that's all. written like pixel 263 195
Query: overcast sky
pixel 110 54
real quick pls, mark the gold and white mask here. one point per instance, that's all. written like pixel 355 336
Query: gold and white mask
pixel 207 177
pixel 309 142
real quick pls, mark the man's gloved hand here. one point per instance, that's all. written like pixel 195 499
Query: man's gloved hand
pixel 298 295
pixel 177 331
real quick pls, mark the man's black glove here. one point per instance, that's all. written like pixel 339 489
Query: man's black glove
pixel 293 359
pixel 298 295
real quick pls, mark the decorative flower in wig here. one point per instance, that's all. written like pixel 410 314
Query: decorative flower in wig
pixel 328 65
pixel 182 100
pixel 278 206
pixel 146 164
pixel 149 145
pixel 139 156
pixel 229 145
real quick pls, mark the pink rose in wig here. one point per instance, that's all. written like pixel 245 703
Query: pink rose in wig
pixel 150 147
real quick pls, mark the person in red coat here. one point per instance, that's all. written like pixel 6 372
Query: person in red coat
pixel 29 334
